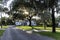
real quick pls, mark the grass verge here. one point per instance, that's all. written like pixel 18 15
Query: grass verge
pixel 4 27
pixel 24 27
pixel 50 34
pixel 1 32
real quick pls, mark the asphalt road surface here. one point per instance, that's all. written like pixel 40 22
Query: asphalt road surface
pixel 15 34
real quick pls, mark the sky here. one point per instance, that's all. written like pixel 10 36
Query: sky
pixel 4 15
pixel 6 4
pixel 57 14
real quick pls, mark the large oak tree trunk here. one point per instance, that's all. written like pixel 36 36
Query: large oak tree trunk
pixel 53 21
pixel 30 17
pixel 29 21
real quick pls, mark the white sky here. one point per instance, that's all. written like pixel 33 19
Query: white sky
pixel 4 15
pixel 7 5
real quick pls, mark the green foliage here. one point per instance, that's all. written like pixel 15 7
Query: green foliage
pixel 52 3
pixel 6 21
pixel 1 1
pixel 10 22
pixel 18 16
pixel 16 3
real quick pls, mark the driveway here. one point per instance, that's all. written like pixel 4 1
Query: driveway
pixel 15 34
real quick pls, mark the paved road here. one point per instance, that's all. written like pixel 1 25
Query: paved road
pixel 16 34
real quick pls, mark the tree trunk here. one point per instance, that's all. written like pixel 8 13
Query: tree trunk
pixel 53 21
pixel 44 25
pixel 1 20
pixel 30 21
pixel 1 24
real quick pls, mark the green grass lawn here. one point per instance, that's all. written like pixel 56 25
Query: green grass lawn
pixel 50 34
pixel 4 27
pixel 47 33
pixel 47 28
pixel 24 27
pixel 1 32
pixel 39 28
